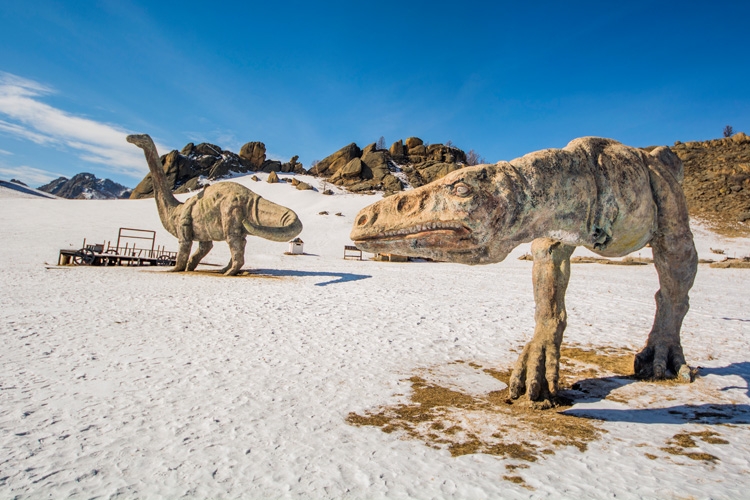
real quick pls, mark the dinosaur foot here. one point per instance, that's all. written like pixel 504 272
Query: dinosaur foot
pixel 536 372
pixel 662 361
pixel 229 271
pixel 547 402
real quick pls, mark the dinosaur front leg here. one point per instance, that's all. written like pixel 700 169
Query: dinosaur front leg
pixel 203 248
pixel 237 249
pixel 183 252
pixel 676 261
pixel 537 370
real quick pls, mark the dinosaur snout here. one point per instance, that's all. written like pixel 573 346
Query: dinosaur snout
pixel 389 213
pixel 364 221
pixel 140 140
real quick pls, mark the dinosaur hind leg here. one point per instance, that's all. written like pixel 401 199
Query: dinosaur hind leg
pixel 676 262
pixel 203 248
pixel 537 370
pixel 237 249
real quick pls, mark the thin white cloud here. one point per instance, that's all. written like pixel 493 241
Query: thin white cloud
pixel 27 117
pixel 30 175
pixel 25 133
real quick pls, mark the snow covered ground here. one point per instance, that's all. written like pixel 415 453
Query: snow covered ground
pixel 318 377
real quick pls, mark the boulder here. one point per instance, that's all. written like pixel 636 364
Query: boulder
pixel 418 150
pixel 331 164
pixel 272 177
pixel 351 170
pixel 270 166
pixel 218 169
pixel 413 142
pixel 391 184
pixel 397 149
pixel 254 153
pixel 375 165
pixel 303 186
pixel 191 185
pixel 436 171
pixel 370 185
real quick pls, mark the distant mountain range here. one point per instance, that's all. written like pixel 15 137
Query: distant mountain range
pixel 85 186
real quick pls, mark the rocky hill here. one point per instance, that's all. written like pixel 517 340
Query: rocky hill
pixel 187 168
pixel 85 186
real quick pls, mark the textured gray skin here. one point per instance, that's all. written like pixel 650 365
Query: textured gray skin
pixel 596 193
pixel 225 211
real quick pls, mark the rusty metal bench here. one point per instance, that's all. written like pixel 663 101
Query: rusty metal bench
pixel 350 251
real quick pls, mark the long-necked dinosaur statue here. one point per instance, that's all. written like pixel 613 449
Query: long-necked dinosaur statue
pixel 225 211
pixel 596 193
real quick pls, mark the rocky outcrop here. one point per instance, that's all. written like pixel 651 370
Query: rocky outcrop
pixel 331 164
pixel 407 162
pixel 85 186
pixel 186 169
pixel 254 153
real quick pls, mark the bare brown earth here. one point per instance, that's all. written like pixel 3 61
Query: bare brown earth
pixel 515 431
pixel 495 424
pixel 717 182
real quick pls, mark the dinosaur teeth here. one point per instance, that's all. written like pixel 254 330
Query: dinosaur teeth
pixel 428 226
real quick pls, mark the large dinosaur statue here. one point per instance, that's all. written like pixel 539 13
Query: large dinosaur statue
pixel 223 211
pixel 596 193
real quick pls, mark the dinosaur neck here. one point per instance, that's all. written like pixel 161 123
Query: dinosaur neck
pixel 166 203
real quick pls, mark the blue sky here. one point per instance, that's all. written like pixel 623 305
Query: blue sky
pixel 307 78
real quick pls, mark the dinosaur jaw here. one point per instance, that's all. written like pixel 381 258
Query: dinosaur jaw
pixel 432 240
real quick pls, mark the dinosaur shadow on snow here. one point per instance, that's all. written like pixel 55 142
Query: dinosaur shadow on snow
pixel 339 277
pixel 597 389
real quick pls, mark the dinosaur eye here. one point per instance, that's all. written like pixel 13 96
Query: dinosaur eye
pixel 461 189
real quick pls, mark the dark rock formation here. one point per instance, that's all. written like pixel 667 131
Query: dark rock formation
pixel 407 161
pixel 85 186
pixel 185 169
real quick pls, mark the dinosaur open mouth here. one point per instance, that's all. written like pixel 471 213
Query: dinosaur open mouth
pixel 431 229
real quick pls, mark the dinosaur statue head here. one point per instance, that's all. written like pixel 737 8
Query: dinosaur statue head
pixel 143 141
pixel 462 217
pixel 270 221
